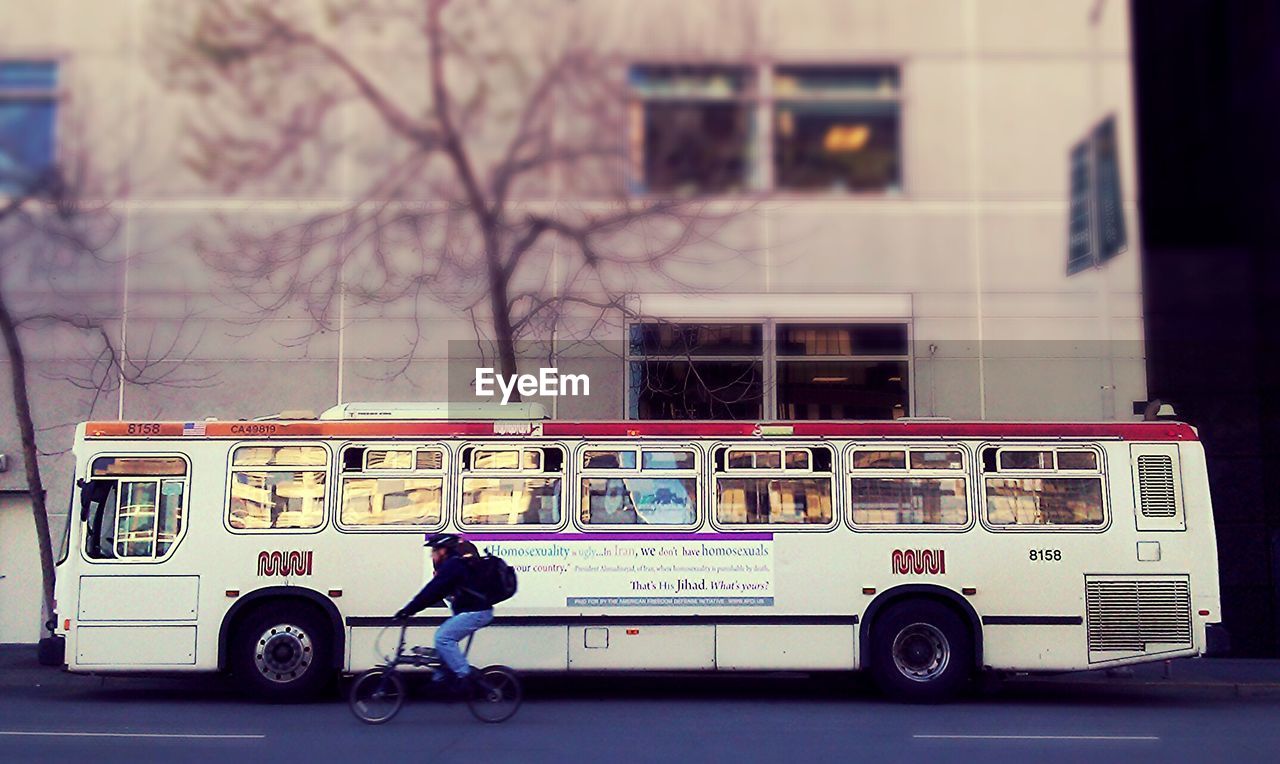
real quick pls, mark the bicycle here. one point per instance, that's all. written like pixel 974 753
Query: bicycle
pixel 378 694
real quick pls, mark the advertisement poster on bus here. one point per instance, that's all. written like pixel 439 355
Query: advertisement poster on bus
pixel 637 569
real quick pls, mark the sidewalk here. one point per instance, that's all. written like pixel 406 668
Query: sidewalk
pixel 1240 677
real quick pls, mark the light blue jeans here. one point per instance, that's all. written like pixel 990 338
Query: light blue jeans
pixel 453 631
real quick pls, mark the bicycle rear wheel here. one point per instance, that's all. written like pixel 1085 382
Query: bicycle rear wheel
pixel 377 695
pixel 495 694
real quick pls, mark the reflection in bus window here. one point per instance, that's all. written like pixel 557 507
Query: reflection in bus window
pixel 760 501
pixel 909 501
pixel 139 518
pixel 391 501
pixel 510 500
pixel 277 499
pixel 798 460
pixel 1026 460
pixel 1044 501
pixel 279 456
pixel 880 460
pixel 388 459
pixel 936 460
pixel 1077 460
pixel 609 460
pixel 667 460
pixel 757 460
pixel 647 501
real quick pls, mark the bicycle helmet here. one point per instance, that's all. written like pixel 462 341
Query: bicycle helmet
pixel 448 541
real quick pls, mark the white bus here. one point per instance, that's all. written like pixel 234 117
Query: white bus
pixel 922 551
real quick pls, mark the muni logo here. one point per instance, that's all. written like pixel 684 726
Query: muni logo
pixel 284 563
pixel 919 561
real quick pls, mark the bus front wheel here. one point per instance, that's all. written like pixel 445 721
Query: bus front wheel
pixel 921 652
pixel 282 653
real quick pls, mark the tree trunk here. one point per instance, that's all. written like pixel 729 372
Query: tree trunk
pixel 30 452
pixel 500 305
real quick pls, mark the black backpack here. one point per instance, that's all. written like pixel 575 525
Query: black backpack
pixel 492 579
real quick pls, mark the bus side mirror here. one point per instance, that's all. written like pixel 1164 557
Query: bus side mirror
pixel 92 492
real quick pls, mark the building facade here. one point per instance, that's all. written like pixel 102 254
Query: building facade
pixel 899 176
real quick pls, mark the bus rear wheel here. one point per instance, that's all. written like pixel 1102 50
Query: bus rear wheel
pixel 921 652
pixel 282 653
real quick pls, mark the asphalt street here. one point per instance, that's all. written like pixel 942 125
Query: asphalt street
pixel 666 719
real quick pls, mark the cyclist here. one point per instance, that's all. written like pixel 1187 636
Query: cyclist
pixel 451 556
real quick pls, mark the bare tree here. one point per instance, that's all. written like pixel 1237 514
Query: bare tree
pixel 485 145
pixel 50 234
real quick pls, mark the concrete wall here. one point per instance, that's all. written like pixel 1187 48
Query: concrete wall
pixel 995 92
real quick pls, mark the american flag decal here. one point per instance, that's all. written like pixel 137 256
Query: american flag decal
pixel 193 428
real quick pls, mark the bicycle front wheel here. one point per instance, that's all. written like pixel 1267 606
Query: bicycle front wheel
pixel 377 695
pixel 495 694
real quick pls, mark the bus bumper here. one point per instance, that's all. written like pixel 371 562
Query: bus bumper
pixel 1217 641
pixel 53 651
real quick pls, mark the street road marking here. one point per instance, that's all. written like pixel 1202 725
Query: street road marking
pixel 1036 737
pixel 175 735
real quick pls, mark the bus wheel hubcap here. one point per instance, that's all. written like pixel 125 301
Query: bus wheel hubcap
pixel 921 652
pixel 283 653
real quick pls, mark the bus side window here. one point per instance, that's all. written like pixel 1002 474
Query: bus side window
pixel 277 487
pixel 908 487
pixel 1041 487
pixel 512 485
pixel 774 486
pixel 663 492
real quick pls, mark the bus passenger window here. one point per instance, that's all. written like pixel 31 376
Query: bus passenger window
pixel 767 501
pixel 755 460
pixel 1044 501
pixel 879 460
pixel 375 501
pixel 1026 460
pixel 531 496
pixel 609 460
pixel 510 501
pixel 634 500
pixel 275 493
pixel 909 501
pixel 1020 493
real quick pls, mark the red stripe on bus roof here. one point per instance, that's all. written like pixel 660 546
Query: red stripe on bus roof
pixel 312 428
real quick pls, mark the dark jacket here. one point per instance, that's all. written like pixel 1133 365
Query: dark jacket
pixel 451 580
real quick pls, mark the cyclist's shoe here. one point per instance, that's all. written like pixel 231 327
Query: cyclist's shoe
pixel 423 651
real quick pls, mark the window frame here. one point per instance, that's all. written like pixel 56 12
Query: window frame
pixel 55 96
pixel 782 473
pixel 461 473
pixel 158 479
pixel 769 358
pixel 445 473
pixel 1101 473
pixel 964 473
pixel 751 97
pixel 761 175
pixel 698 473
pixel 328 468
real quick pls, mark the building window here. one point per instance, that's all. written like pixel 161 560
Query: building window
pixel 696 371
pixel 724 129
pixel 691 128
pixel 836 128
pixel 842 371
pixel 28 103
pixel 768 369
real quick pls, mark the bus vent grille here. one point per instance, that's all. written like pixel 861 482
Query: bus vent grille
pixel 1155 485
pixel 1130 615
